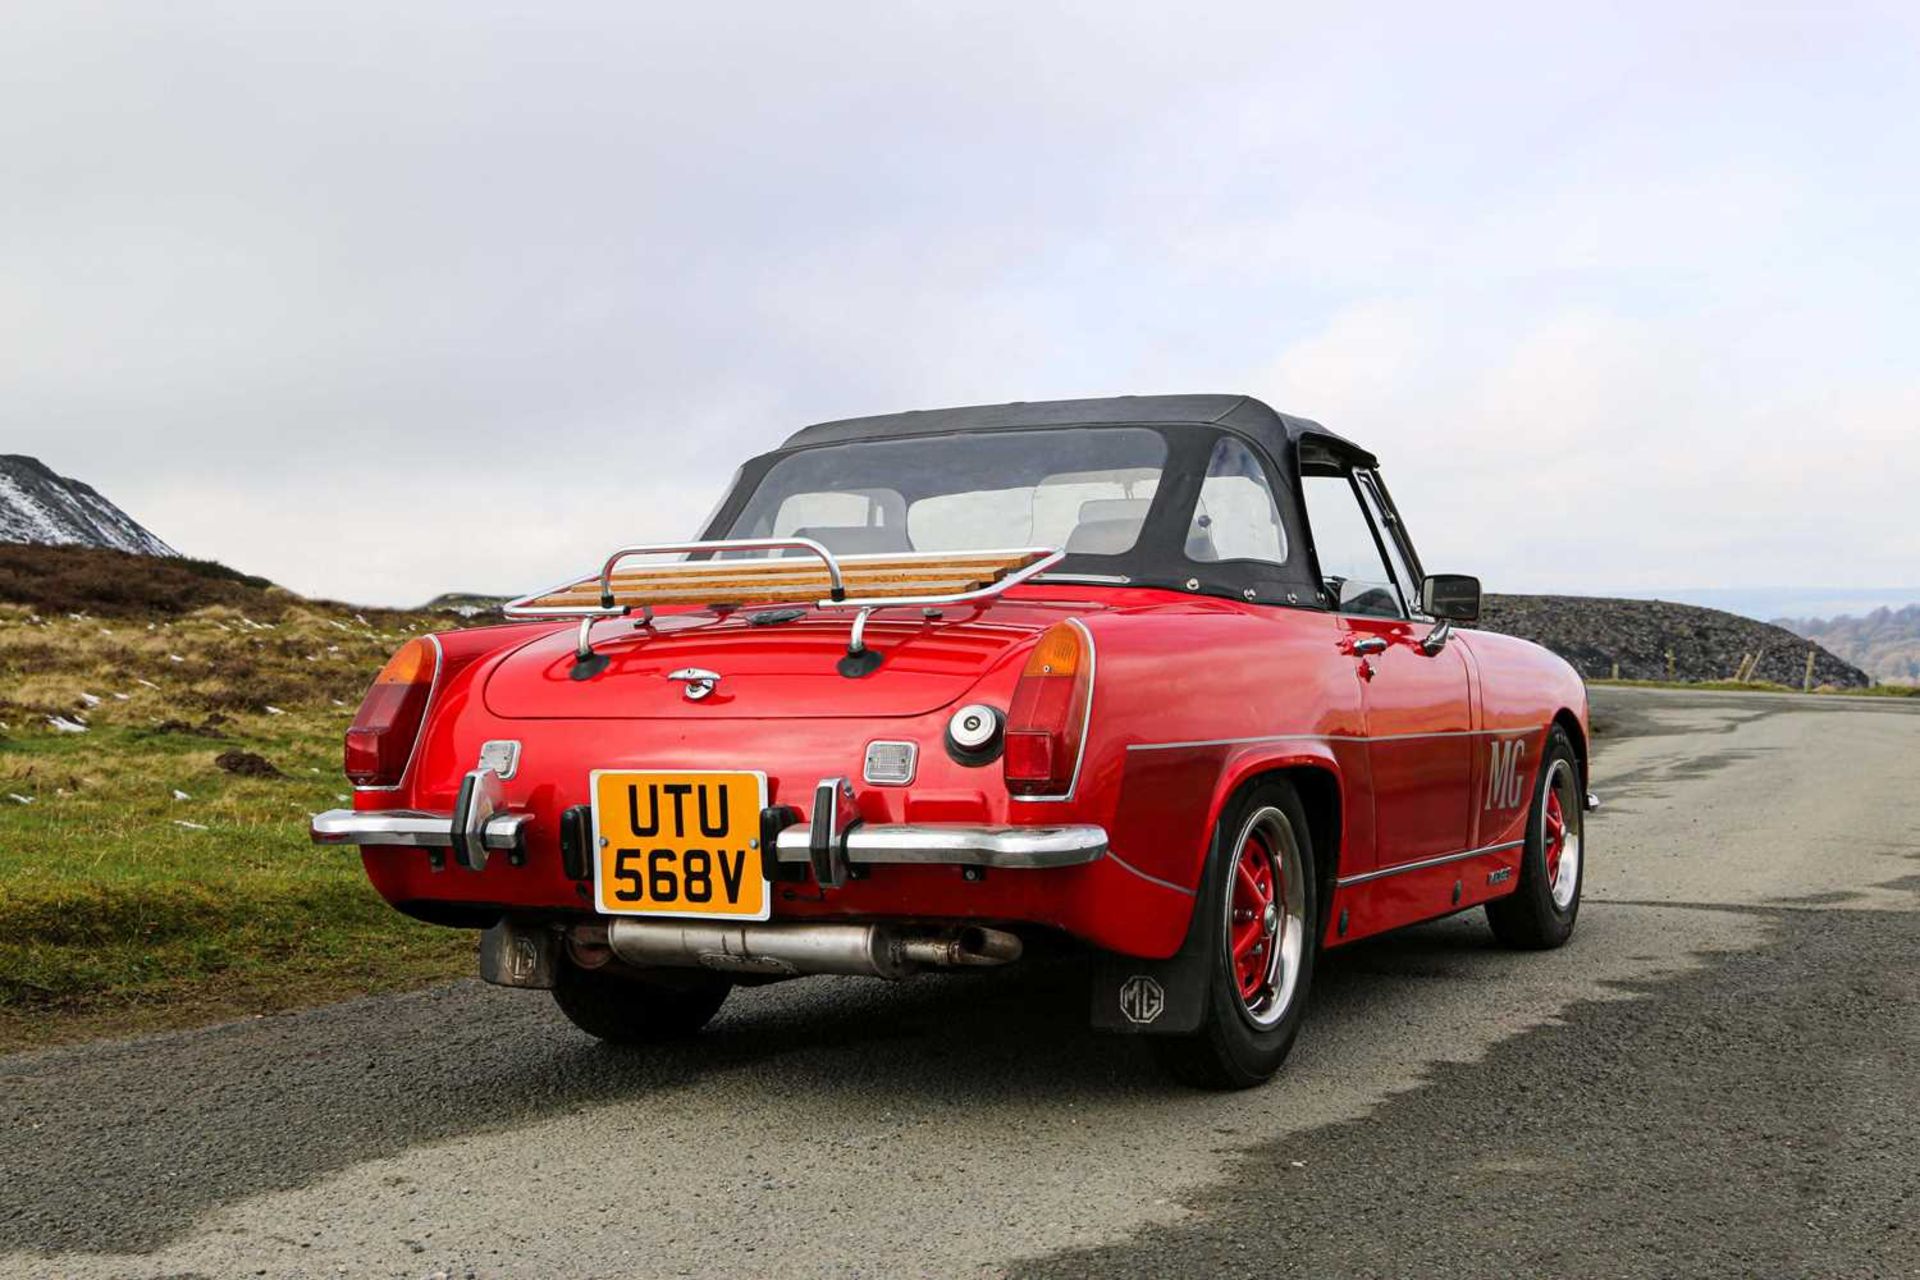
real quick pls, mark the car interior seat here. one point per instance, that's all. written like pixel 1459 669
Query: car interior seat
pixel 1107 526
pixel 855 539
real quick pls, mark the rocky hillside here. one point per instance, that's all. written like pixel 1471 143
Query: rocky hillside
pixel 42 508
pixel 1884 643
pixel 467 604
pixel 1633 638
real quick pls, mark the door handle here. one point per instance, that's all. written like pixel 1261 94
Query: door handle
pixel 1367 646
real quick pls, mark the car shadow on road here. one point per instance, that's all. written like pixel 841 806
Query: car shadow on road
pixel 121 1146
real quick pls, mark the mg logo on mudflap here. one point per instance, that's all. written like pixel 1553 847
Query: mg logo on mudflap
pixel 526 958
pixel 1142 999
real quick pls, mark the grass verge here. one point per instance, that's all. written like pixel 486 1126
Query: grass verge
pixel 146 884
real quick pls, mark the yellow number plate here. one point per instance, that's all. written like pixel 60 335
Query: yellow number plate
pixel 679 844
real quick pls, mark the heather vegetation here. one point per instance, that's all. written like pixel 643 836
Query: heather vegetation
pixel 159 756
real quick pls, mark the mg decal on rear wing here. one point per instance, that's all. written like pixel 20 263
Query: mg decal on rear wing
pixel 1506 784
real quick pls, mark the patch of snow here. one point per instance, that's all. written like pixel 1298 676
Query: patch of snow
pixel 91 699
pixel 17 798
pixel 150 684
pixel 275 711
pixel 37 506
pixel 61 724
pixel 174 657
pixel 191 826
pixel 178 794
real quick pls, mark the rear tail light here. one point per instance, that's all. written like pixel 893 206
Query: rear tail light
pixel 1047 723
pixel 382 738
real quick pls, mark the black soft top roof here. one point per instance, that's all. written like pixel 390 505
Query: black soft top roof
pixel 1276 433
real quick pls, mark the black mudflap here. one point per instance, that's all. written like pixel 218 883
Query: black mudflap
pixel 1153 997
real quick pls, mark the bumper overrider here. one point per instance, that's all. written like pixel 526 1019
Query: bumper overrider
pixel 832 841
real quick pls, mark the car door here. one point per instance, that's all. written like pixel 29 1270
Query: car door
pixel 1416 706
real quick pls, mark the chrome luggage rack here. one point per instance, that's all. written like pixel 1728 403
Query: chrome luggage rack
pixel 862 583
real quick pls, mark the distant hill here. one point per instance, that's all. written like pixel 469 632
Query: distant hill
pixel 44 509
pixel 1884 643
pixel 467 604
pixel 1603 637
pixel 120 584
pixel 1592 633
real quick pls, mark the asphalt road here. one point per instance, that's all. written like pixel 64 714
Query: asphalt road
pixel 1718 1076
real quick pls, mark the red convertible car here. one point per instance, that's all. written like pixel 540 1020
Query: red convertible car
pixel 1160 676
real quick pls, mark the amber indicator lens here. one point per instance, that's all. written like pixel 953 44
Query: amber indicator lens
pixel 1047 719
pixel 380 743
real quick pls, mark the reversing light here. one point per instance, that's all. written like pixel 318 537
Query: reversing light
pixel 1047 722
pixel 381 740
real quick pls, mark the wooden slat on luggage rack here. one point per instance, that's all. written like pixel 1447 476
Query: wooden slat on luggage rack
pixel 791 580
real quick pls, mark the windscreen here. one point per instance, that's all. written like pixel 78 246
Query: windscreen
pixel 1081 490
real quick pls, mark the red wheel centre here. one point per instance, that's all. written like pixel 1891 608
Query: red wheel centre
pixel 1256 917
pixel 1556 833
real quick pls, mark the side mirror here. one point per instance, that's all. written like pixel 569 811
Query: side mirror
pixel 1450 597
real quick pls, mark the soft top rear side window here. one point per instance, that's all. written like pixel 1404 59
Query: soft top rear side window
pixel 1236 517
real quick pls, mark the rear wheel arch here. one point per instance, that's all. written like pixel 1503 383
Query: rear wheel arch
pixel 1317 783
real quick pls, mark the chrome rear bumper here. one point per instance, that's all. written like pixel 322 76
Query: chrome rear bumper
pixel 833 840
pixel 1027 848
pixel 411 828
pixel 475 828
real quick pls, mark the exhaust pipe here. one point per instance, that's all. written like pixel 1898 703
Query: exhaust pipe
pixel 791 950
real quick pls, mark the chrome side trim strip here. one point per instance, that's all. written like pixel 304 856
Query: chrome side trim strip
pixel 1025 848
pixel 1424 863
pixel 409 828
pixel 1164 884
pixel 1332 737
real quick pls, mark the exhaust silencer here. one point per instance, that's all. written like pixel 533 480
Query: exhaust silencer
pixel 788 950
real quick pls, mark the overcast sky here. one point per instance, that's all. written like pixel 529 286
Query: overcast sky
pixel 384 300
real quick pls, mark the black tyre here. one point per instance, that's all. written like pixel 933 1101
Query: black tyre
pixel 1541 912
pixel 1259 905
pixel 621 1006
